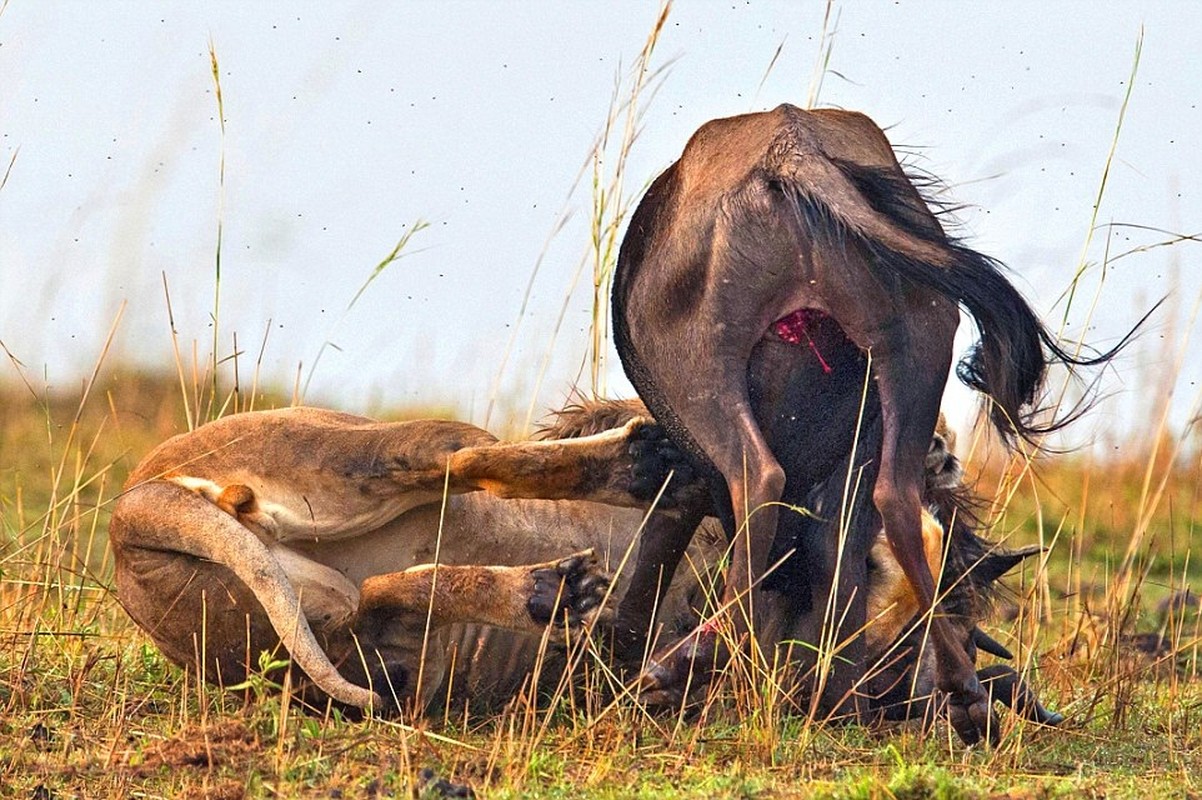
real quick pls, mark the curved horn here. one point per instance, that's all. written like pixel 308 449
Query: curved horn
pixel 990 645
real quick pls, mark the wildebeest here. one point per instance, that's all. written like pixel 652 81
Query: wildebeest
pixel 782 290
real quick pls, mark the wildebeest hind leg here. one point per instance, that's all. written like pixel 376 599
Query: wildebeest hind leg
pixel 714 409
pixel 910 393
pixel 662 545
pixel 838 615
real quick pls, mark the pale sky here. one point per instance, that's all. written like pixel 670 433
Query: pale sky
pixel 347 122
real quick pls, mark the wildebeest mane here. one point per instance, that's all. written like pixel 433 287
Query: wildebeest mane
pixel 586 417
pixel 973 564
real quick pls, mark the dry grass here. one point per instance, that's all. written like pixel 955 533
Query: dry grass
pixel 91 709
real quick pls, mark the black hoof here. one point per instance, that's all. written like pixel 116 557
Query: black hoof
pixel 678 670
pixel 656 689
pixel 1052 718
pixel 970 711
pixel 430 785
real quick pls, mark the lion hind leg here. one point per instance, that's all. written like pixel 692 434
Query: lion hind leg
pixel 170 516
pixel 525 598
pixel 625 466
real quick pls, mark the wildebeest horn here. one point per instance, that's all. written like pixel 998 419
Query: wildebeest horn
pixel 990 645
pixel 999 562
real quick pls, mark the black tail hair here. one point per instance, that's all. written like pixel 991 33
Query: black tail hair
pixel 1009 362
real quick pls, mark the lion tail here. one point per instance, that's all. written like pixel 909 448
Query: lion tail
pixel 169 517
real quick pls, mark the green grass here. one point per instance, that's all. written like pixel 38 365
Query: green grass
pixel 121 723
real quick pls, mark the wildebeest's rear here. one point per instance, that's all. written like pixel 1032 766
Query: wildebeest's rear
pixel 762 274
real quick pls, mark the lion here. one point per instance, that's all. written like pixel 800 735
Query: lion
pixel 301 524
pixel 398 563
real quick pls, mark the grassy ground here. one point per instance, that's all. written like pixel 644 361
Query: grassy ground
pixel 91 709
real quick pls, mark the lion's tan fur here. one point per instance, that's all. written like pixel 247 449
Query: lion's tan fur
pixel 252 515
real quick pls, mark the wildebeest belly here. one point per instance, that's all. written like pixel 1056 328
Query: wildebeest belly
pixel 807 384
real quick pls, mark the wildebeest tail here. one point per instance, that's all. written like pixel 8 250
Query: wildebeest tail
pixel 882 211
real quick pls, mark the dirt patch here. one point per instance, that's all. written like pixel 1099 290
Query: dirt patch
pixel 230 790
pixel 199 746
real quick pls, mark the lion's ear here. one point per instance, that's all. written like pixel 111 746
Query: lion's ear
pixel 949 435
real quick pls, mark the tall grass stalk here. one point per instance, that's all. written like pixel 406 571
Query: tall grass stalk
pixel 611 204
pixel 9 169
pixel 398 252
pixel 494 390
pixel 822 60
pixel 1083 261
pixel 216 71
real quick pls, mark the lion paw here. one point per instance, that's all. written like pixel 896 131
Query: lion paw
pixel 653 458
pixel 568 592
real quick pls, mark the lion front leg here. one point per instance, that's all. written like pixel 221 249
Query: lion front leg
pixel 527 598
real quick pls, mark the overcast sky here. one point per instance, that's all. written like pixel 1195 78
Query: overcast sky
pixel 348 122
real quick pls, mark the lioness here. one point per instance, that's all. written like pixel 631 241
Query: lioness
pixel 275 526
pixel 318 530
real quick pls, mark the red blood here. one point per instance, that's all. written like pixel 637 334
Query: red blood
pixel 794 328
pixel 710 626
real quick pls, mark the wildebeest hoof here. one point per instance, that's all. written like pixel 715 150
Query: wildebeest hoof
pixel 657 688
pixel 971 714
pixel 569 592
pixel 675 671
pixel 654 457
pixel 1052 718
